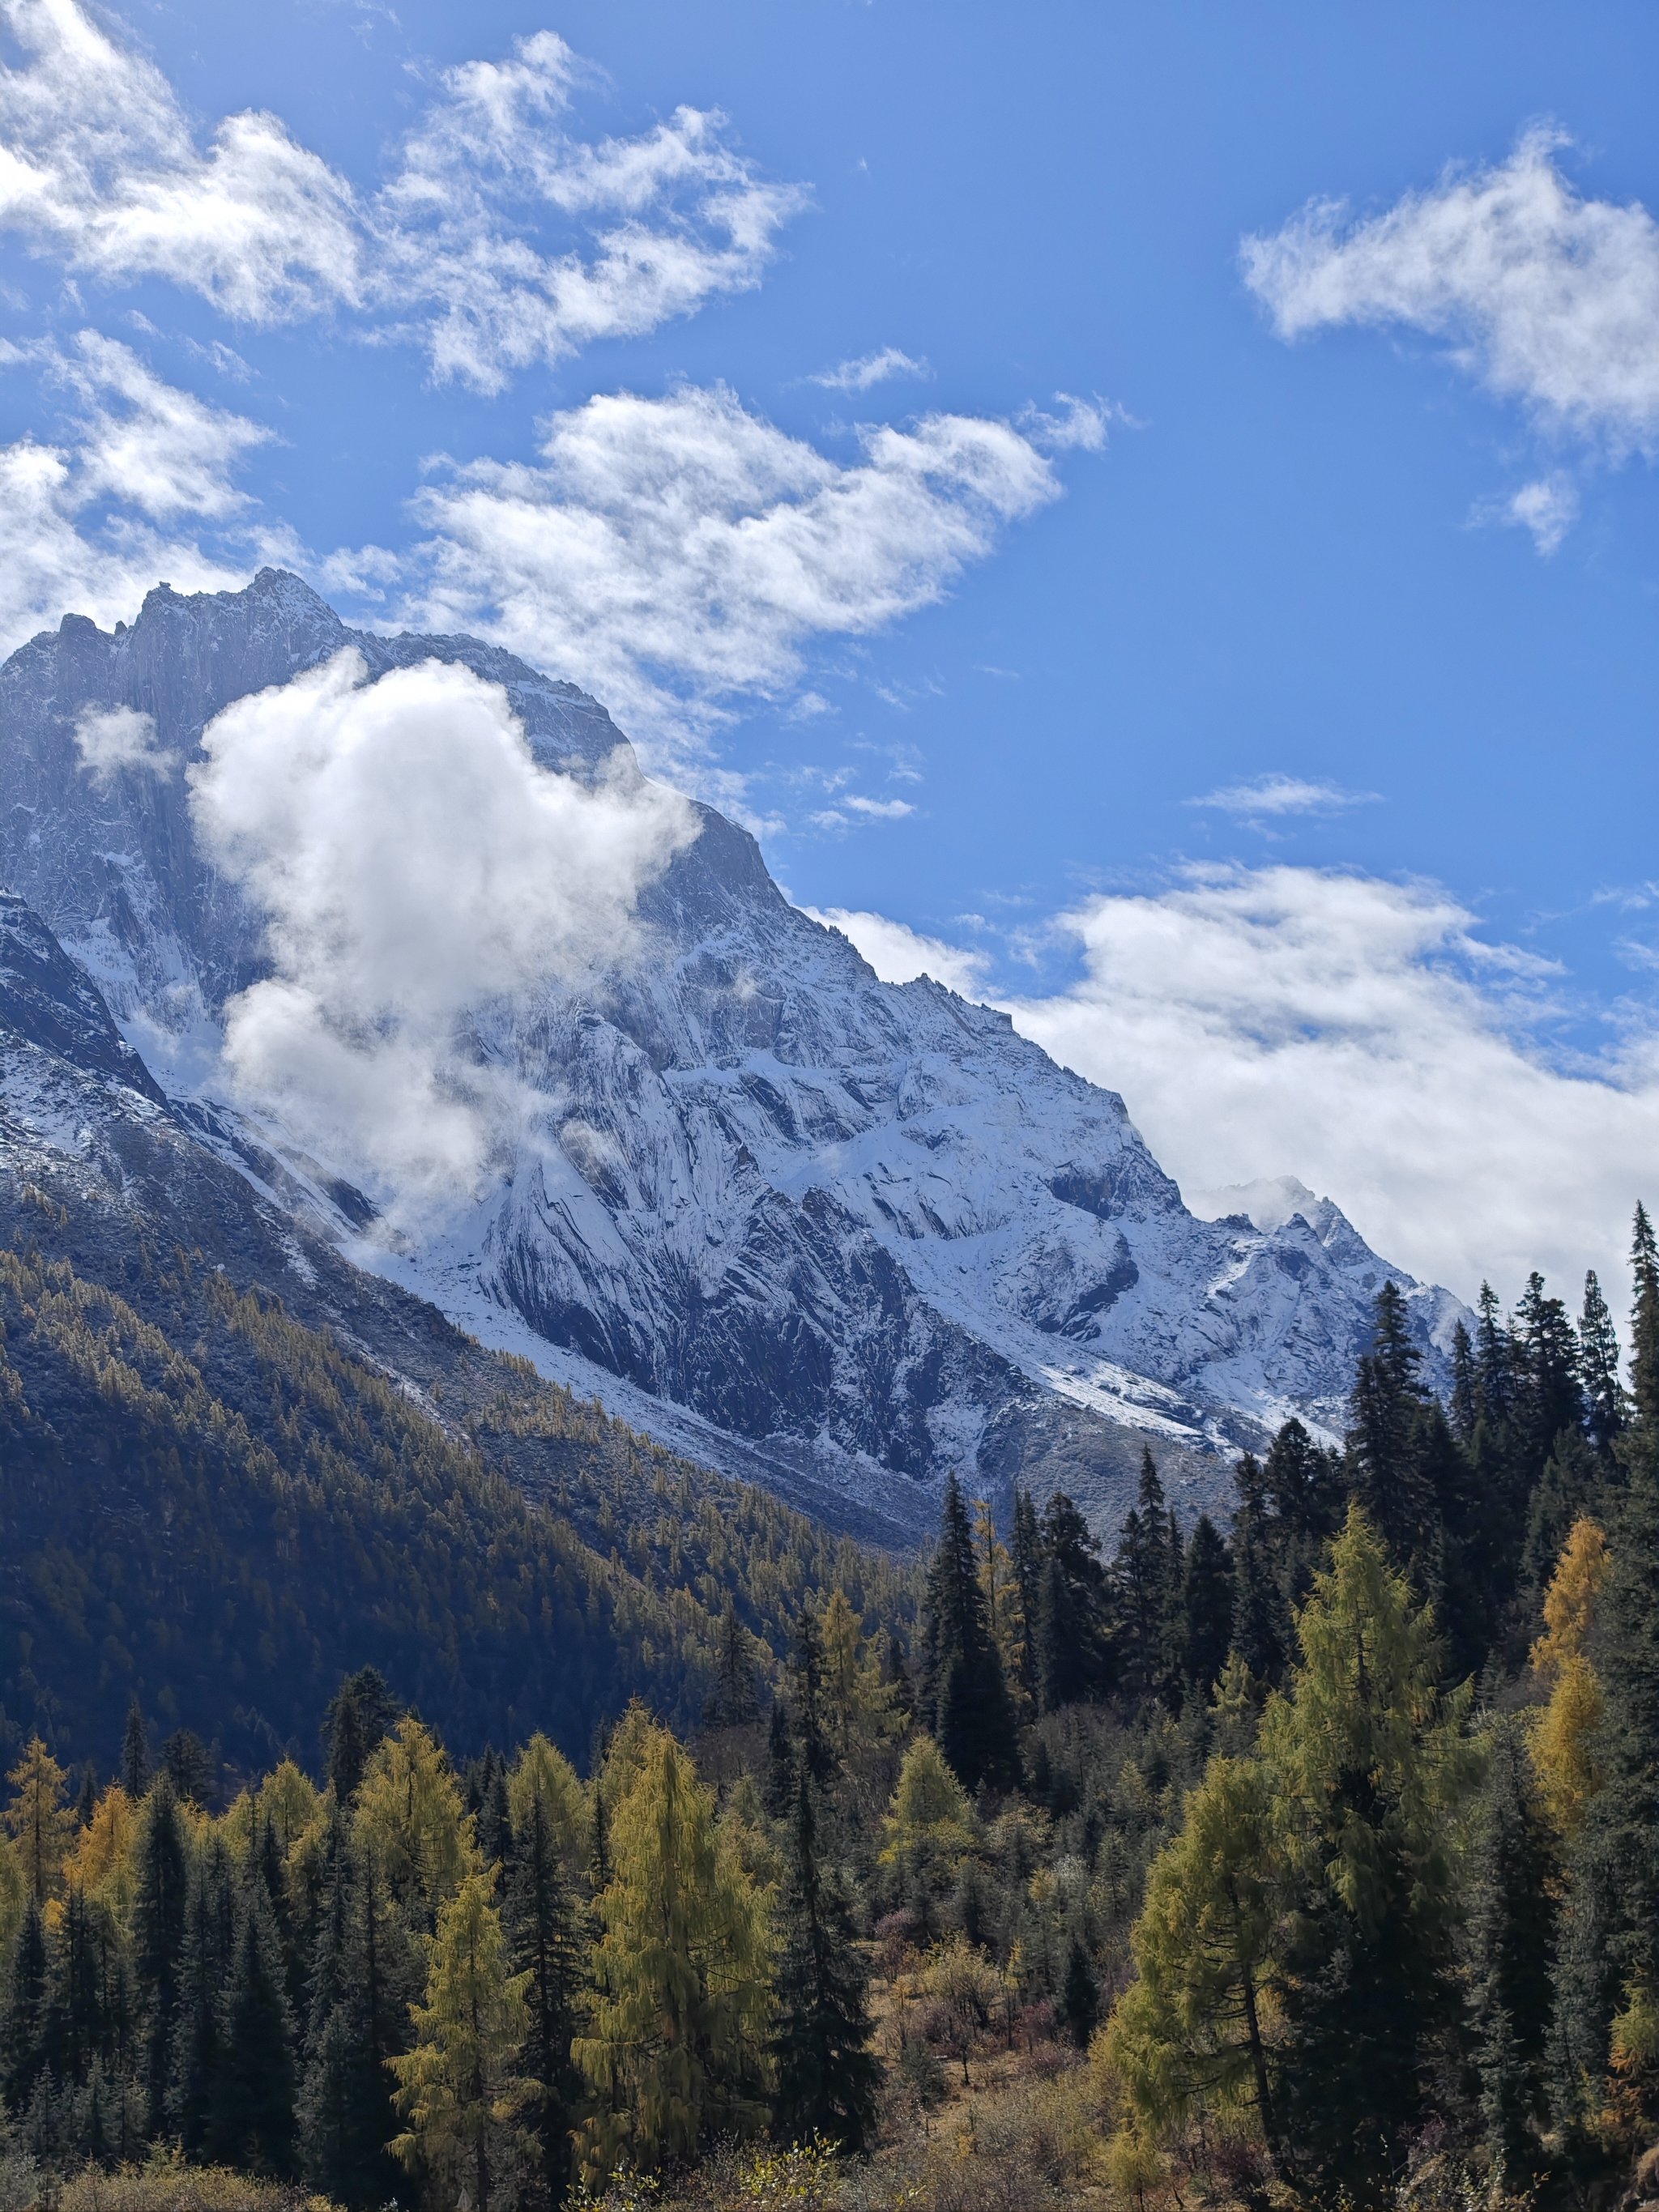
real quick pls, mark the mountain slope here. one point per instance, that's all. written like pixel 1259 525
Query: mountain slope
pixel 840 1233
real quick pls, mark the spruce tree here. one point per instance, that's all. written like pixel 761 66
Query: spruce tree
pixel 134 1754
pixel 360 1713
pixel 1027 1557
pixel 1147 1579
pixel 1208 1604
pixel 826 2073
pixel 197 2088
pixel 732 1702
pixel 1386 1474
pixel 23 2021
pixel 540 1916
pixel 160 1898
pixel 255 2125
pixel 1510 1940
pixel 1079 1994
pixel 1598 1362
pixel 963 1690
pixel 1073 1651
pixel 1260 1618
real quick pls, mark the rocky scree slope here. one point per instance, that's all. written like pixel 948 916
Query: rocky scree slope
pixel 837 1233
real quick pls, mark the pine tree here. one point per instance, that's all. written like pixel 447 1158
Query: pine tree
pixel 964 1691
pixel 364 1974
pixel 826 2076
pixel 811 1737
pixel 160 1898
pixel 679 2025
pixel 23 2022
pixel 76 2028
pixel 197 2088
pixel 1261 1631
pixel 255 2123
pixel 1510 1917
pixel 1367 1773
pixel 458 2086
pixel 361 1713
pixel 541 1922
pixel 1387 1476
pixel 1027 1558
pixel 1079 1994
pixel 732 1702
pixel 1147 1580
pixel 1605 1405
pixel 1073 1653
pixel 1208 1604
pixel 134 1754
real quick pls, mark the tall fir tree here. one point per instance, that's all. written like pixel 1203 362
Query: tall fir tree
pixel 160 1899
pixel 1599 1365
pixel 1073 1645
pixel 196 2089
pixel 1026 1554
pixel 540 1915
pixel 826 2074
pixel 1148 1584
pixel 23 2017
pixel 1510 1921
pixel 963 1690
pixel 1261 1631
pixel 1207 1606
pixel 256 2126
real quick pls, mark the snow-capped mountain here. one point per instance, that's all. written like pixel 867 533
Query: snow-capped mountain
pixel 802 1223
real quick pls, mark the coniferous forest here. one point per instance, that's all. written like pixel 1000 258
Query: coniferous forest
pixel 1313 1860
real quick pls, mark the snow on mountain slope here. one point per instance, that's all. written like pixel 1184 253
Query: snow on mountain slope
pixel 861 1232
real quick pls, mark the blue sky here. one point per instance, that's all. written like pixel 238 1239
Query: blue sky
pixel 1368 549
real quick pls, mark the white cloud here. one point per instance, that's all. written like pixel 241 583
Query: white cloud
pixel 673 554
pixel 109 740
pixel 1080 425
pixel 1548 508
pixel 869 370
pixel 899 955
pixel 99 164
pixel 1360 1034
pixel 1280 795
pixel 78 514
pixel 416 868
pixel 1547 297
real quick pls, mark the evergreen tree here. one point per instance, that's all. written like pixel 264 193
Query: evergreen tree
pixel 1261 1630
pixel 732 1702
pixel 1073 1653
pixel 196 2088
pixel 1028 1565
pixel 1147 1580
pixel 190 1766
pixel 1386 1474
pixel 811 1738
pixel 1079 1994
pixel 459 2085
pixel 541 1923
pixel 23 2022
pixel 361 1714
pixel 76 2027
pixel 827 2074
pixel 1367 1774
pixel 963 1690
pixel 364 1974
pixel 134 1754
pixel 160 1898
pixel 255 2125
pixel 1599 1366
pixel 1509 1928
pixel 779 1786
pixel 1207 1603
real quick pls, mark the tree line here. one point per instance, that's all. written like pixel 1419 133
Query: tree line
pixel 1322 1851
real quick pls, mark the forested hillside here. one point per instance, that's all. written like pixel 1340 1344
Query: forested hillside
pixel 218 1509
pixel 1310 1863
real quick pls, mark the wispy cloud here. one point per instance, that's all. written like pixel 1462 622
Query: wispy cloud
pixel 678 555
pixel 1274 796
pixel 869 370
pixel 1548 508
pixel 102 169
pixel 1547 297
pixel 899 954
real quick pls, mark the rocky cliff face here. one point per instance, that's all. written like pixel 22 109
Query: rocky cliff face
pixel 803 1224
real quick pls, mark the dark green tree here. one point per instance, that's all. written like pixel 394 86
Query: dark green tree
pixel 1146 1578
pixel 1079 1994
pixel 1026 1552
pixel 134 1754
pixel 1599 1362
pixel 964 1693
pixel 1072 1624
pixel 160 1897
pixel 196 2088
pixel 255 2125
pixel 1509 1923
pixel 23 2022
pixel 361 1712
pixel 826 2073
pixel 732 1702
pixel 1261 1617
pixel 1207 1601
pixel 541 1920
